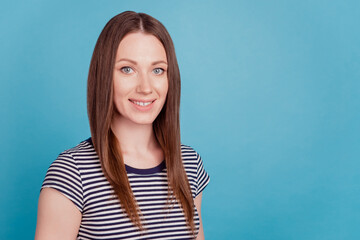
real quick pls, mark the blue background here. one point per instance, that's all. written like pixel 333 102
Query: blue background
pixel 270 99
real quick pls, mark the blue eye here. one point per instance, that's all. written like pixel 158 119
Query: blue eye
pixel 126 70
pixel 158 71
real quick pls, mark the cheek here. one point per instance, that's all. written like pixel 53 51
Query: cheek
pixel 117 92
pixel 163 87
pixel 119 96
pixel 122 87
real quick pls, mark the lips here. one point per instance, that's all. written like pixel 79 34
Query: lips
pixel 142 103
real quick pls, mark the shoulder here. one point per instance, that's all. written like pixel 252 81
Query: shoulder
pixel 80 153
pixel 188 153
pixel 70 162
pixel 84 147
pixel 197 176
pixel 190 158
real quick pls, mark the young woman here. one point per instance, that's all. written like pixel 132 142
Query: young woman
pixel 132 179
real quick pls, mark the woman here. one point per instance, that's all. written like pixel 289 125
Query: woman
pixel 132 179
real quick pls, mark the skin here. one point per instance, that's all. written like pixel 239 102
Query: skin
pixel 197 202
pixel 139 74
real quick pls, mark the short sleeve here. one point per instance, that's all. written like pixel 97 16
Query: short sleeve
pixel 202 177
pixel 64 176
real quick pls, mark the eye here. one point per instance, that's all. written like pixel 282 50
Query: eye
pixel 127 70
pixel 158 71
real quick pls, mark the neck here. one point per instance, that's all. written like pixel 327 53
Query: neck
pixel 133 137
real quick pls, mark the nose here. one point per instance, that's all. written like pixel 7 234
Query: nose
pixel 144 84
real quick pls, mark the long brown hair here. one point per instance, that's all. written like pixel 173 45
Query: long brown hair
pixel 166 126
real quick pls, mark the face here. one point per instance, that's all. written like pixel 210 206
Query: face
pixel 140 78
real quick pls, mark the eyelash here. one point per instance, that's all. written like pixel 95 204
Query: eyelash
pixel 161 69
pixel 126 67
pixel 122 69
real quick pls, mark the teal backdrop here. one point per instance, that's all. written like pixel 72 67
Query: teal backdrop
pixel 270 99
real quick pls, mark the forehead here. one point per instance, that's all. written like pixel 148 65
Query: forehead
pixel 140 45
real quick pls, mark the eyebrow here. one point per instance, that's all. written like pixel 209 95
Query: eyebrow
pixel 135 63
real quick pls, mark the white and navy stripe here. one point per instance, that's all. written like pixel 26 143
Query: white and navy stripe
pixel 77 174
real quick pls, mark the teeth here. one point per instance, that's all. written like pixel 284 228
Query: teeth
pixel 143 104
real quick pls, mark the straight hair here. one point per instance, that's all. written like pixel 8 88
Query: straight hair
pixel 166 126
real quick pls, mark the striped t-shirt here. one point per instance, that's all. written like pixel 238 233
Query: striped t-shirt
pixel 77 174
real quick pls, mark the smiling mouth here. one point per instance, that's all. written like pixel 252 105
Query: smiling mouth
pixel 142 104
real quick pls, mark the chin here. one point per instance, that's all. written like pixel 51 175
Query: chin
pixel 143 121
